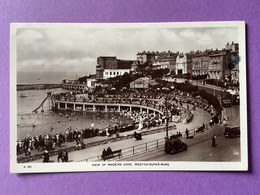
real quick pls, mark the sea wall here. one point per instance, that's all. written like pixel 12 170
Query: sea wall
pixel 21 87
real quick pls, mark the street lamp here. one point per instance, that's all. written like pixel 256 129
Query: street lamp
pixel 166 91
pixel 167 120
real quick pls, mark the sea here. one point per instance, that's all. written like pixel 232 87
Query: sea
pixel 48 122
pixel 47 77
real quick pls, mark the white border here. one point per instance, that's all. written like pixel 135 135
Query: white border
pixel 88 166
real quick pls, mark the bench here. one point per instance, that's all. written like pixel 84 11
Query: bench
pixel 111 154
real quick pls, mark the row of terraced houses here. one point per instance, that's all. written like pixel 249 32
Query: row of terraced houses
pixel 213 63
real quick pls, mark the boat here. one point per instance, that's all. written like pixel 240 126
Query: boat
pixel 23 96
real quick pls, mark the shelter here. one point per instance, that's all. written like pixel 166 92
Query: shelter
pixel 142 83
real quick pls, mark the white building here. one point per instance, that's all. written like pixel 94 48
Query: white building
pixel 110 73
pixel 181 64
pixel 91 82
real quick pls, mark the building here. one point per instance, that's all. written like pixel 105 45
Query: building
pixel 73 85
pixel 142 83
pixel 200 63
pixel 91 82
pixel 218 65
pixel 109 67
pixel 163 63
pixel 234 55
pixel 124 64
pixel 104 62
pixel 164 60
pixel 233 47
pixel 135 65
pixel 184 63
pixel 205 63
pixel 146 57
pixel 196 65
pixel 111 73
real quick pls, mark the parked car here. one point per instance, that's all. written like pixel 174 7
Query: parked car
pixel 174 145
pixel 231 132
pixel 137 136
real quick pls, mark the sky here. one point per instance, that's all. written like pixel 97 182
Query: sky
pixel 77 49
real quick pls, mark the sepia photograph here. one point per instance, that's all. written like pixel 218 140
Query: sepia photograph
pixel 128 97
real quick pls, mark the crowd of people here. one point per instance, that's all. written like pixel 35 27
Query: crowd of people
pixel 140 120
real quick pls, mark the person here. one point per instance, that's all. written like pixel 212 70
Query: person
pixel 203 126
pixel 179 135
pixel 211 122
pixel 135 134
pixel 187 133
pixel 92 125
pixel 60 156
pixel 46 156
pixel 214 138
pixel 65 156
pixel 107 132
pixel 109 150
pixel 104 153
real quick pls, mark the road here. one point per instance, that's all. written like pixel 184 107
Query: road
pixel 215 90
pixel 199 149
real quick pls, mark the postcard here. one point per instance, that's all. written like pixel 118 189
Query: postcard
pixel 128 97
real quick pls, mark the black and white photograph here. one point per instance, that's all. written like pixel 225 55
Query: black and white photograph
pixel 128 97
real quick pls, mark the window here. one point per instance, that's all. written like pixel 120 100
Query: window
pixel 106 73
pixel 110 73
pixel 114 73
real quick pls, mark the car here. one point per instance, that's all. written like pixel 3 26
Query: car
pixel 137 136
pixel 231 132
pixel 175 145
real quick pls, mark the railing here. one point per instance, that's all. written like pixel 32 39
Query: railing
pixel 148 146
pixel 129 151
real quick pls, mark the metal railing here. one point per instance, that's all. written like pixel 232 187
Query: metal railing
pixel 129 151
pixel 148 146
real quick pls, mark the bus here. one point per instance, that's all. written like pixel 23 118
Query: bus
pixel 231 97
pixel 226 102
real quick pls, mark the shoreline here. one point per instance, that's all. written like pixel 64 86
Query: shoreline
pixel 22 87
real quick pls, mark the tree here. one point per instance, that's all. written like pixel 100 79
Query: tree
pixel 157 73
pixel 83 79
pixel 166 71
pixel 172 72
pixel 123 81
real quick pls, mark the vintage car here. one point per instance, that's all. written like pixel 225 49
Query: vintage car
pixel 137 136
pixel 231 132
pixel 174 145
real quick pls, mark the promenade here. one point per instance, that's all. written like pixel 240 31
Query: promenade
pixel 200 116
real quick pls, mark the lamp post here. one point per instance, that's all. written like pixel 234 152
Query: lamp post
pixel 167 120
pixel 166 91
